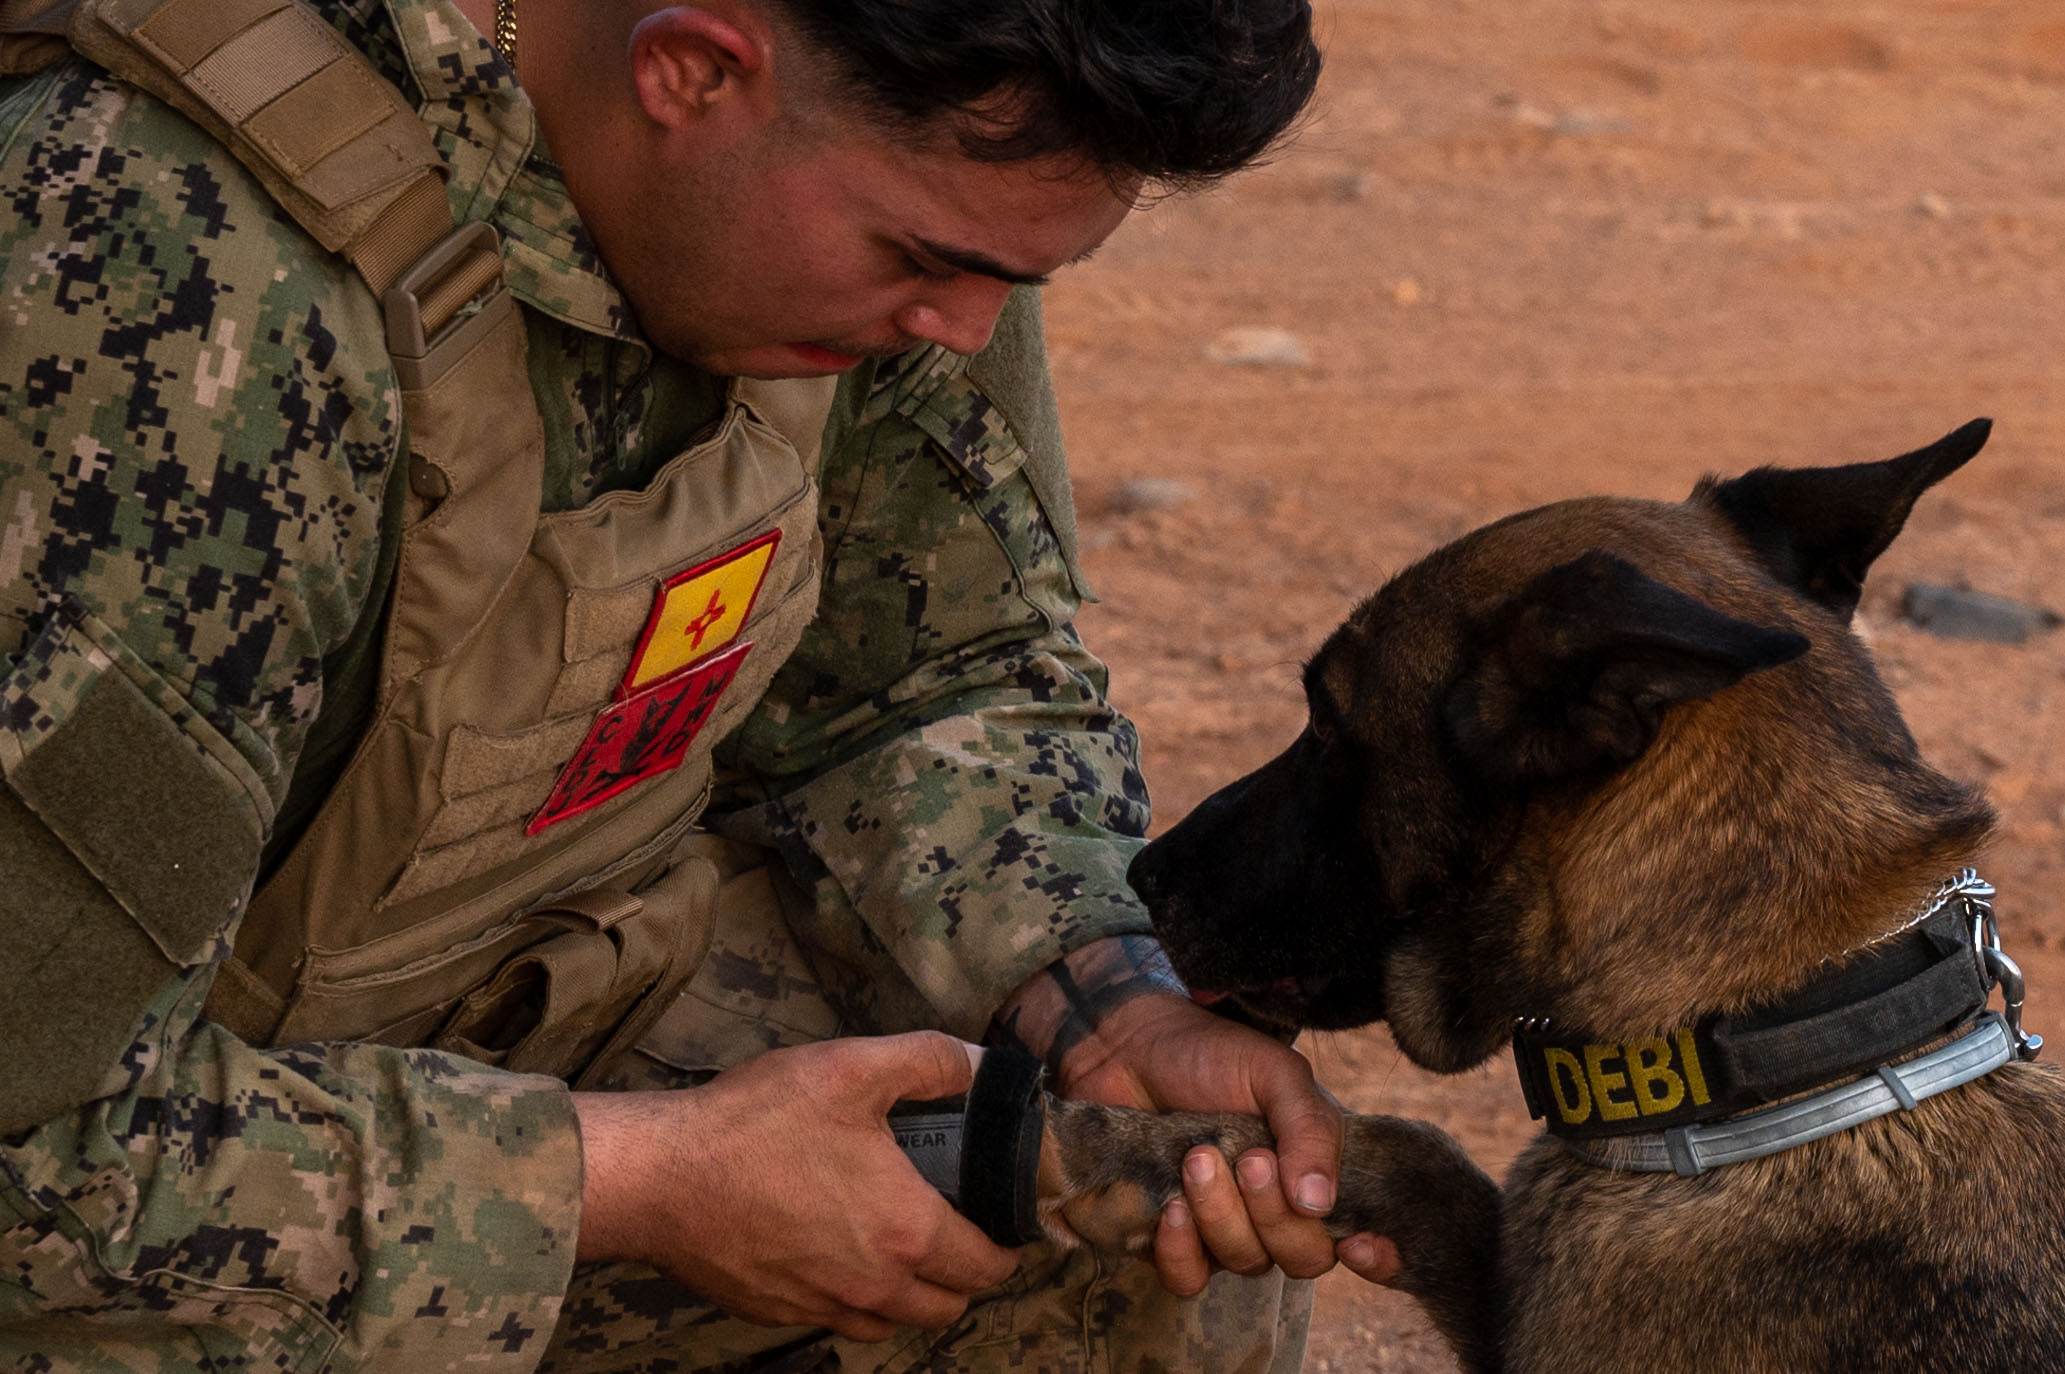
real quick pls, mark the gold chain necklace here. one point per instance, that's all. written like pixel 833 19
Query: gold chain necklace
pixel 505 30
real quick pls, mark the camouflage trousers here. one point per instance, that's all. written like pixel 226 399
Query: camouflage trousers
pixel 1062 1312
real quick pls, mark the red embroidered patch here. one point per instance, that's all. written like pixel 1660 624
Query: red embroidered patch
pixel 646 733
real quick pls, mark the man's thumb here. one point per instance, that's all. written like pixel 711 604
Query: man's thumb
pixel 1307 1126
pixel 921 1065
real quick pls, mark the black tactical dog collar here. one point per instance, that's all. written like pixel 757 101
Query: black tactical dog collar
pixel 1893 998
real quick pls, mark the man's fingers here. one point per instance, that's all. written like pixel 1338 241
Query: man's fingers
pixel 919 1303
pixel 864 1327
pixel 1307 1125
pixel 817 1310
pixel 1220 1215
pixel 1373 1257
pixel 1178 1253
pixel 1299 1245
pixel 959 1262
pixel 964 1260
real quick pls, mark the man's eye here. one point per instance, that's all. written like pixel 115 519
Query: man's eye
pixel 920 268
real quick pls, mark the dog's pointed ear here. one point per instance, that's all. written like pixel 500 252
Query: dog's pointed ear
pixel 1818 529
pixel 1574 673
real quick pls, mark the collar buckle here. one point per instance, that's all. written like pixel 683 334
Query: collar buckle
pixel 1975 895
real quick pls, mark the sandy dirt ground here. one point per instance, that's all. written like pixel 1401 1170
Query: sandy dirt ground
pixel 1533 250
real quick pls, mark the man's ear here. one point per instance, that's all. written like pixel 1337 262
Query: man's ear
pixel 1818 529
pixel 1574 673
pixel 685 58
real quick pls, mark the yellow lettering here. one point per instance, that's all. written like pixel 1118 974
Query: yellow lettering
pixel 1610 1108
pixel 1695 1077
pixel 1649 1064
pixel 1567 1081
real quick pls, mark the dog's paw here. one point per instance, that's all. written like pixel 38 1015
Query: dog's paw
pixel 1106 1172
pixel 1409 1181
pixel 1114 1220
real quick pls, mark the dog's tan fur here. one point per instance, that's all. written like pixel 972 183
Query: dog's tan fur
pixel 1623 764
pixel 1675 831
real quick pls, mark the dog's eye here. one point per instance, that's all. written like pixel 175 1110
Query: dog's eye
pixel 1323 722
pixel 1322 716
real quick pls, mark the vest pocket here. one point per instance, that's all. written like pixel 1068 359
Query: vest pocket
pixel 754 991
pixel 572 999
pixel 399 988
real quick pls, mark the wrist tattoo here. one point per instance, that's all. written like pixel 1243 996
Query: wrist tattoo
pixel 1072 997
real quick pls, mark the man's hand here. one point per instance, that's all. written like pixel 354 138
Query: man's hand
pixel 777 1191
pixel 1115 1026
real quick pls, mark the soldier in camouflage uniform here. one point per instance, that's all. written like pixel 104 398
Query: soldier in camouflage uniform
pixel 202 491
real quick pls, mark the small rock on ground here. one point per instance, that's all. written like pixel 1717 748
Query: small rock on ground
pixel 1954 613
pixel 1258 346
pixel 1150 493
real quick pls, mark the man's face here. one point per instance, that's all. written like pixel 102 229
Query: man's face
pixel 778 254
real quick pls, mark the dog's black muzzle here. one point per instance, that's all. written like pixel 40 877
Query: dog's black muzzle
pixel 1252 900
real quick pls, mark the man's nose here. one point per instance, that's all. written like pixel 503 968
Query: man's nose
pixel 958 315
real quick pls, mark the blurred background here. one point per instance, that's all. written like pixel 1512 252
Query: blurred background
pixel 1540 248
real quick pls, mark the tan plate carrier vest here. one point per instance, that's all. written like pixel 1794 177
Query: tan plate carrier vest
pixel 508 866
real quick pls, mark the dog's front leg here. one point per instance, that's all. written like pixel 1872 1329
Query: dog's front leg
pixel 1105 1173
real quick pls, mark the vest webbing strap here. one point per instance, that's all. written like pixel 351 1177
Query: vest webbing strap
pixel 338 147
pixel 413 222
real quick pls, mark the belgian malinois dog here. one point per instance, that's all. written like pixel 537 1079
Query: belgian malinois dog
pixel 1613 782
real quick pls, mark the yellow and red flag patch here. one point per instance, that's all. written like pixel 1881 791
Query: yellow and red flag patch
pixel 700 611
pixel 685 660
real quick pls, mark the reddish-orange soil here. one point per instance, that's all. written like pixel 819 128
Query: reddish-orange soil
pixel 1543 249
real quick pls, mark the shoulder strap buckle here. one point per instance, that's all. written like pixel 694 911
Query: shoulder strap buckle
pixel 445 303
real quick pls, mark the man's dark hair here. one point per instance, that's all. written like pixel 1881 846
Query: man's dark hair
pixel 1180 92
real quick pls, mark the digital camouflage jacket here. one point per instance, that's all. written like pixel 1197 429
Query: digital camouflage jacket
pixel 198 438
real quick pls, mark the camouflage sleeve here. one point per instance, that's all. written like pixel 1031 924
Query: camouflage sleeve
pixel 196 423
pixel 938 760
pixel 310 1207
